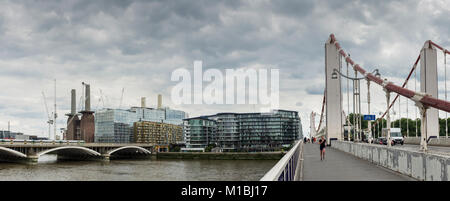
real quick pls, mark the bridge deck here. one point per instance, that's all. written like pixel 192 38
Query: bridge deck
pixel 57 144
pixel 340 166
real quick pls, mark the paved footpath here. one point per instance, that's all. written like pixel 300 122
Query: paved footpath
pixel 340 166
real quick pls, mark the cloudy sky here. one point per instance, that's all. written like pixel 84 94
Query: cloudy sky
pixel 136 45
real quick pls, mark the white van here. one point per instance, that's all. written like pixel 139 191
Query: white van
pixel 396 136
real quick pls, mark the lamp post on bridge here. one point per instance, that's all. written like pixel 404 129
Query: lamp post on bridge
pixel 357 95
pixel 369 126
pixel 388 117
pixel 356 82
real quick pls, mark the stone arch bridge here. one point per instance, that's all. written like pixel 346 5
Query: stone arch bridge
pixel 30 152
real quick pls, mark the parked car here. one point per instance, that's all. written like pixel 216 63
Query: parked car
pixel 383 141
pixel 380 140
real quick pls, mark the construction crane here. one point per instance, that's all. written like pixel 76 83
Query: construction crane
pixel 100 100
pixel 50 120
pixel 121 98
pixel 55 115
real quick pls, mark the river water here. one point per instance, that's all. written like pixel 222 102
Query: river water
pixel 150 170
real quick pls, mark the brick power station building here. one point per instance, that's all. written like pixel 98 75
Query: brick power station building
pixel 84 128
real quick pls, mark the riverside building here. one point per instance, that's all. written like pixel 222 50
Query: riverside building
pixel 198 133
pixel 160 125
pixel 243 131
pixel 114 125
pixel 8 134
pixel 157 133
pixel 117 125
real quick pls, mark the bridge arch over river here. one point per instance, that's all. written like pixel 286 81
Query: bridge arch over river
pixel 69 150
pixel 137 149
pixel 23 152
pixel 4 151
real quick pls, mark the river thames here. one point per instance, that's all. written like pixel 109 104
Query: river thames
pixel 133 170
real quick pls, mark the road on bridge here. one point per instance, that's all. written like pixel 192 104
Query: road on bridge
pixel 340 166
pixel 440 150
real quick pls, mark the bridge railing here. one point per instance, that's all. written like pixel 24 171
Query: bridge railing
pixel 287 169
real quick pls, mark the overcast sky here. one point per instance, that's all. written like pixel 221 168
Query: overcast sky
pixel 136 45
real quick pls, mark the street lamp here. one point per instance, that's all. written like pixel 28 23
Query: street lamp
pixel 334 75
pixel 388 116
pixel 356 101
pixel 356 83
pixel 378 75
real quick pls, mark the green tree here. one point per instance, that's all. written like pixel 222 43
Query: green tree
pixel 210 147
pixel 406 124
pixel 442 126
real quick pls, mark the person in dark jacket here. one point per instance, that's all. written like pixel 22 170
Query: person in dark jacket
pixel 323 144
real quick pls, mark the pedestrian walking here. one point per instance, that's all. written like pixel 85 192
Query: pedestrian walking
pixel 322 143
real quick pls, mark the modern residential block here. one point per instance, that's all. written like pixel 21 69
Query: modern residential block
pixel 244 131
pixel 157 133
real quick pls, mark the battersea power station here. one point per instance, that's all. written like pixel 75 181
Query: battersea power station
pixel 84 128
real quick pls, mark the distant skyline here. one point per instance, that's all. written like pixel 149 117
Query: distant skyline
pixel 136 45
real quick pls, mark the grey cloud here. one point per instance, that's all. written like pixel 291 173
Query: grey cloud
pixel 315 90
pixel 137 44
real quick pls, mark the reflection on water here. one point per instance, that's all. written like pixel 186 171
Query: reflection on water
pixel 48 158
pixel 168 170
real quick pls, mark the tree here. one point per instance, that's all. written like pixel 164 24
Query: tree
pixel 210 147
pixel 406 124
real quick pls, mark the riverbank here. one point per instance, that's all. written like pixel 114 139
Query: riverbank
pixel 221 156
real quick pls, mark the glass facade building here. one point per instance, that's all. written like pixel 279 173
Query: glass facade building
pixel 8 134
pixel 245 131
pixel 174 116
pixel 269 131
pixel 165 115
pixel 198 132
pixel 228 134
pixel 114 126
pixel 117 125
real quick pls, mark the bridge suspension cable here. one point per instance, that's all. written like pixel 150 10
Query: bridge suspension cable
pixel 445 81
pixel 321 113
pixel 407 116
pixel 423 99
pixel 439 47
pixel 415 89
pixel 413 69
pixel 400 113
pixel 348 103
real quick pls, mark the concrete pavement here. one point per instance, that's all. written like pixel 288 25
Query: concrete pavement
pixel 340 166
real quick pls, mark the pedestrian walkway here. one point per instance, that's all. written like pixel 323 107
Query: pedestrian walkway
pixel 340 166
